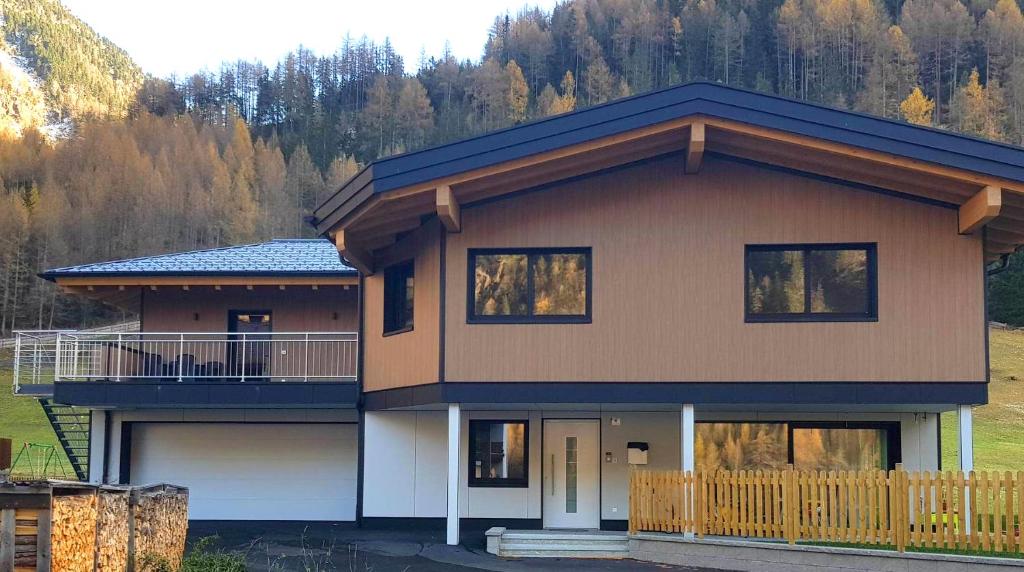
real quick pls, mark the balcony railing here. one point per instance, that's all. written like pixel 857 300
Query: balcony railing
pixel 45 357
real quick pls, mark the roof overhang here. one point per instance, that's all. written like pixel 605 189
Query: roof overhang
pixel 124 291
pixel 983 179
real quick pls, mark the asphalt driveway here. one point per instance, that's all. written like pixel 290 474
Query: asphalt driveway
pixel 320 547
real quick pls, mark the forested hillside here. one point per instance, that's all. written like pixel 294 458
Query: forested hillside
pixel 75 73
pixel 243 152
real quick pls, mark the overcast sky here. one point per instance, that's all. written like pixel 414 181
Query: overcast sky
pixel 183 36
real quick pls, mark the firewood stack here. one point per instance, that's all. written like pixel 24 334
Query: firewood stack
pixel 112 532
pixel 59 526
pixel 161 522
pixel 73 532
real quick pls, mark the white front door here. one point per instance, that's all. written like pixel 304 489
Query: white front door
pixel 572 465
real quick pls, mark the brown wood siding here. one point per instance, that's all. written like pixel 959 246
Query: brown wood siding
pixel 295 309
pixel 408 358
pixel 668 284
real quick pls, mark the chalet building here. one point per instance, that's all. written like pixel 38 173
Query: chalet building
pixel 698 277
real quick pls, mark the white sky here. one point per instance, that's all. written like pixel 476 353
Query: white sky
pixel 183 36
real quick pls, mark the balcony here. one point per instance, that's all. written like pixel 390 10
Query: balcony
pixel 179 365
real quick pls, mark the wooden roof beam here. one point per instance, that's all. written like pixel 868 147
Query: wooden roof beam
pixel 980 209
pixel 448 209
pixel 353 253
pixel 695 148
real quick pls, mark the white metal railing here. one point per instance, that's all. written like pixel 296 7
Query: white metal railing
pixel 43 357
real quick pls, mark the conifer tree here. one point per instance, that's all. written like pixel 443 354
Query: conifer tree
pixel 917 108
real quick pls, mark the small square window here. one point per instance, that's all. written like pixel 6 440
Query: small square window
pixel 399 282
pixel 498 453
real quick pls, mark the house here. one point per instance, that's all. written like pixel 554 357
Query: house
pixel 696 277
pixel 240 382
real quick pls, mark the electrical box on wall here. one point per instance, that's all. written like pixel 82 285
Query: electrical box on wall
pixel 636 453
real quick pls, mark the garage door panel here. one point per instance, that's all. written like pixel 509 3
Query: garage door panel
pixel 242 471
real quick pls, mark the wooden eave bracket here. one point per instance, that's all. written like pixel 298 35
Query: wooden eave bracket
pixel 980 209
pixel 448 209
pixel 354 254
pixel 695 148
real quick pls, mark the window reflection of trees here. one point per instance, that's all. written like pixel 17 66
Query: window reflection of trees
pixel 500 288
pixel 752 446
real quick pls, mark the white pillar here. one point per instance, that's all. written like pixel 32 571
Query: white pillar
pixel 686 441
pixel 966 438
pixel 454 426
pixel 97 445
pixel 686 437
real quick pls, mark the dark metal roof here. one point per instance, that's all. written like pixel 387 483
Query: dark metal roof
pixel 708 99
pixel 287 257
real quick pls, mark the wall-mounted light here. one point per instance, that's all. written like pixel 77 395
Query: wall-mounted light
pixel 334 315
pixel 195 316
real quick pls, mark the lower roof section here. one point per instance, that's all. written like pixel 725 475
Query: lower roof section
pixel 841 396
pixel 110 394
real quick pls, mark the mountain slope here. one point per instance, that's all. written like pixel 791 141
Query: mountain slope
pixel 79 73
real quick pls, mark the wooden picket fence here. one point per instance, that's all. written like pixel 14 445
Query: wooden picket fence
pixel 977 511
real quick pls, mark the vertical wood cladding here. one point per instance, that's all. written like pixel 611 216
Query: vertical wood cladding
pixel 668 284
pixel 295 309
pixel 411 357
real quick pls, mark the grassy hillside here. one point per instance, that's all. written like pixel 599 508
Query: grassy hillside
pixel 21 418
pixel 998 426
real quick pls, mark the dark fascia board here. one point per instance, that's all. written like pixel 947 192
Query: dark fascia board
pixel 174 394
pixel 700 393
pixel 705 99
pixel 53 275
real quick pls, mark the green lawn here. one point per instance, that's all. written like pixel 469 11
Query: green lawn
pixel 998 426
pixel 21 418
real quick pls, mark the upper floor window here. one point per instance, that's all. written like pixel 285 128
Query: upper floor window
pixel 529 285
pixel 811 283
pixel 398 296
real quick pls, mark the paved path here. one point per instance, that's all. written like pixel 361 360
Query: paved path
pixel 328 547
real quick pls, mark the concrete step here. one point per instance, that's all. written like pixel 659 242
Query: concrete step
pixel 563 545
pixel 568 552
pixel 559 536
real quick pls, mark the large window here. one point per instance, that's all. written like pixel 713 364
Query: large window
pixel 811 282
pixel 736 446
pixel 529 285
pixel 498 453
pixel 398 296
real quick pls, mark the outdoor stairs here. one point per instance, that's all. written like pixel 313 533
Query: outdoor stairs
pixel 72 427
pixel 557 543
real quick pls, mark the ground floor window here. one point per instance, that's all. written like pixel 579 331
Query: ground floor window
pixel 498 453
pixel 809 446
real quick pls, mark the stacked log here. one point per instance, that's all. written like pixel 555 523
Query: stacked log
pixel 73 532
pixel 112 532
pixel 26 529
pixel 160 524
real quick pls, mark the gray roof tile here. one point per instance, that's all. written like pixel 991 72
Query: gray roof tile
pixel 277 257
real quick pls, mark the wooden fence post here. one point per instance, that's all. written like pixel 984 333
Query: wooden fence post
pixel 6 452
pixel 7 524
pixel 789 502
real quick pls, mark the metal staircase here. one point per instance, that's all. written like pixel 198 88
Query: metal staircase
pixel 72 426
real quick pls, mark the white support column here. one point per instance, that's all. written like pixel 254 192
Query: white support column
pixel 97 445
pixel 686 442
pixel 686 437
pixel 454 426
pixel 966 425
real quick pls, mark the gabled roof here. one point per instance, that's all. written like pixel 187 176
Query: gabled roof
pixel 280 257
pixel 946 167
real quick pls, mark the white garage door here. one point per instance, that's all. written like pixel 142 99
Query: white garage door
pixel 249 471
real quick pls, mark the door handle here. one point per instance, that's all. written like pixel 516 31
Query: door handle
pixel 552 474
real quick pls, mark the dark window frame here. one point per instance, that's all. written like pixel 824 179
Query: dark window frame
pixel 510 483
pixel 871 315
pixel 893 437
pixel 531 318
pixel 395 307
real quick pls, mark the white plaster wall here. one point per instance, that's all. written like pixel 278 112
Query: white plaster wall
pixel 919 438
pixel 660 430
pixel 405 464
